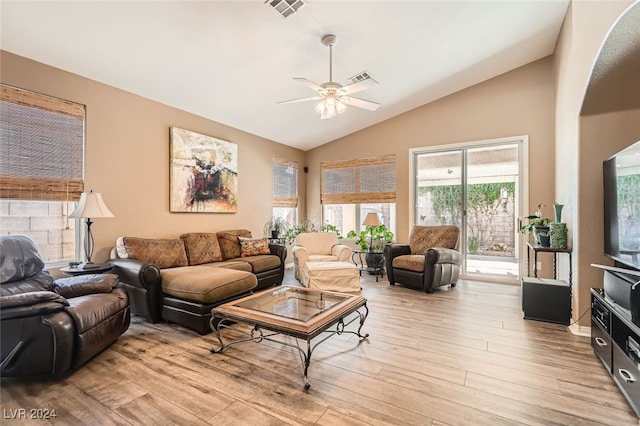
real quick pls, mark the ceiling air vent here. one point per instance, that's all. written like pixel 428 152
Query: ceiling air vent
pixel 359 77
pixel 286 7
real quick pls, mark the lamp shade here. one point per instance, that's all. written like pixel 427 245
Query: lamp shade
pixel 372 219
pixel 91 206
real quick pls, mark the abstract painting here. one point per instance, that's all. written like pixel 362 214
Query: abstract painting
pixel 204 173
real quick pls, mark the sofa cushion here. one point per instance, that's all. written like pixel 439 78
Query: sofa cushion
pixel 261 263
pixel 412 262
pixel 230 244
pixel 253 246
pixel 205 284
pixel 201 247
pixel 238 265
pixel 426 237
pixel 166 253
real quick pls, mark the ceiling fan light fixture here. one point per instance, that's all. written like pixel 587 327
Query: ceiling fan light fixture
pixel 330 106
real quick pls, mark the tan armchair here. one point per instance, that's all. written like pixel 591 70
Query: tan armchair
pixel 429 261
pixel 318 247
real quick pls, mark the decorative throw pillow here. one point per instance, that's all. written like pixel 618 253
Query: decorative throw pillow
pixel 166 253
pixel 202 247
pixel 254 246
pixel 229 243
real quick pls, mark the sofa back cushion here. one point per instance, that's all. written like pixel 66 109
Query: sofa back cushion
pixel 229 243
pixel 423 238
pixel 202 247
pixel 166 253
pixel 317 242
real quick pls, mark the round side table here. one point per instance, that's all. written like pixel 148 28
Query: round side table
pixel 99 268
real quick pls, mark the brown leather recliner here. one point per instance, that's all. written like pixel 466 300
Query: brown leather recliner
pixel 429 261
pixel 48 327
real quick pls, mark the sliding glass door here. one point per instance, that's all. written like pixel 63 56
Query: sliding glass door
pixel 476 188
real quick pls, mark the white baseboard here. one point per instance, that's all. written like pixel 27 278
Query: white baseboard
pixel 580 330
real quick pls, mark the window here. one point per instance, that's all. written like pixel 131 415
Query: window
pixel 285 190
pixel 347 217
pixel 352 188
pixel 41 169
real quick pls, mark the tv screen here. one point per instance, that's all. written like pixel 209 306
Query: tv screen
pixel 622 206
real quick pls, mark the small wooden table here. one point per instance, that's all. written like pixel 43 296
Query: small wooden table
pixel 540 249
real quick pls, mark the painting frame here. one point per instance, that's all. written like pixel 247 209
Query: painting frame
pixel 203 173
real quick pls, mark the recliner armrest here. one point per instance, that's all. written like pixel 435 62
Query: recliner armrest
pixel 395 250
pixel 31 304
pixel 437 255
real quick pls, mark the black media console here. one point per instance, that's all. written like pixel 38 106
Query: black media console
pixel 615 338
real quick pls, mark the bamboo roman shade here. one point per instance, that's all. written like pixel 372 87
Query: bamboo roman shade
pixel 285 183
pixel 364 180
pixel 41 146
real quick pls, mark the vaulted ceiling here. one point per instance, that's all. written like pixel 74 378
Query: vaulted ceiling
pixel 233 61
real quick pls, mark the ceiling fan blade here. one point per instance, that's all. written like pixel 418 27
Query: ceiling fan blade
pixel 313 98
pixel 360 103
pixel 358 86
pixel 309 84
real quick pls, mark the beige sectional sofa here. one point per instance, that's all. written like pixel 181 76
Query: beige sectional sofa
pixel 181 279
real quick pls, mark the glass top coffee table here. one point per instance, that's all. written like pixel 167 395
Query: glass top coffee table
pixel 298 312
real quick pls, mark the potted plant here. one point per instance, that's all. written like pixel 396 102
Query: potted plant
pixel 308 225
pixel 372 239
pixel 537 225
pixel 275 226
pixel 544 239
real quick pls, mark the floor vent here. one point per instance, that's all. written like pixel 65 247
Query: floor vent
pixel 286 8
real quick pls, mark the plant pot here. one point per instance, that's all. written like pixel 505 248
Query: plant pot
pixel 544 240
pixel 540 230
pixel 374 262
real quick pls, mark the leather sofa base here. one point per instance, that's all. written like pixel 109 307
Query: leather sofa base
pixel 193 315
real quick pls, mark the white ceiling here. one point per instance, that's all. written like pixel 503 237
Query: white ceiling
pixel 232 61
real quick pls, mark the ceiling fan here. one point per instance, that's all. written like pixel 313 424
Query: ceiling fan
pixel 334 96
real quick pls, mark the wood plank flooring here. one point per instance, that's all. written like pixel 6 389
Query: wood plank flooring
pixel 462 356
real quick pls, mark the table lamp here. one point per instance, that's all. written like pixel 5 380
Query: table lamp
pixel 90 206
pixel 372 219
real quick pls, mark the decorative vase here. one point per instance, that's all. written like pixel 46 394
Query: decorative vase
pixel 557 208
pixel 558 234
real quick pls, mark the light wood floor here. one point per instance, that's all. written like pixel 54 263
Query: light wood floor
pixel 458 357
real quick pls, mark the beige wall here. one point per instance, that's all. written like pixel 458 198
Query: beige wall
pixel 127 157
pixel 513 104
pixel 579 183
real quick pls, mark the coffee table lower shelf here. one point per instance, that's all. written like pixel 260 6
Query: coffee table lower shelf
pixel 264 330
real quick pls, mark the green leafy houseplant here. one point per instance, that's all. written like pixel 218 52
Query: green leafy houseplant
pixel 275 227
pixel 378 236
pixel 537 224
pixel 308 225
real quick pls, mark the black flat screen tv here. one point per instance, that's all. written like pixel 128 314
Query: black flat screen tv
pixel 622 207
